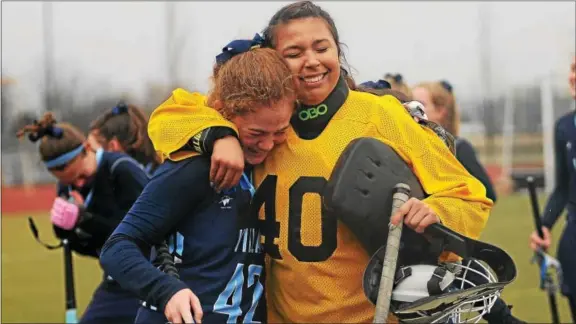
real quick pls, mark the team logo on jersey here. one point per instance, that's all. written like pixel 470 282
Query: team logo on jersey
pixel 225 202
pixel 313 112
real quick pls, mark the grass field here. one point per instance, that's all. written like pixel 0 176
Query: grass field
pixel 33 282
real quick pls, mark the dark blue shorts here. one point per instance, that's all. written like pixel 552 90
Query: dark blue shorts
pixel 111 304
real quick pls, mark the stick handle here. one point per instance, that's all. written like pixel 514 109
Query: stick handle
pixel 535 206
pixel 69 283
pixel 400 196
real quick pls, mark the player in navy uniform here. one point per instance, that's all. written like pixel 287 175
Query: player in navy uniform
pixel 218 254
pixel 124 128
pixel 563 196
pixel 95 190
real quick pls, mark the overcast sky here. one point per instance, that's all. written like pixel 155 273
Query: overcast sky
pixel 123 44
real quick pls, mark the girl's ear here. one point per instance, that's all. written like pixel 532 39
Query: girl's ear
pixel 217 104
pixel 114 145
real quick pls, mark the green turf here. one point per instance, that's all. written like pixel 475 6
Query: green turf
pixel 33 277
pixel 33 282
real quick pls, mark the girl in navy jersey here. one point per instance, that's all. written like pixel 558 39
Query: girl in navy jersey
pixel 563 197
pixel 95 190
pixel 123 128
pixel 219 257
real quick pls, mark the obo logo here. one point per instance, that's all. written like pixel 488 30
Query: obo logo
pixel 313 112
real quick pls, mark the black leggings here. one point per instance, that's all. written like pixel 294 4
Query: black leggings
pixel 572 303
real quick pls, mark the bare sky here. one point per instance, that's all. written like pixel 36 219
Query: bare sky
pixel 122 45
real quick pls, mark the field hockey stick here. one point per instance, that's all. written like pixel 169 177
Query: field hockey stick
pixel 70 292
pixel 71 316
pixel 400 196
pixel 544 260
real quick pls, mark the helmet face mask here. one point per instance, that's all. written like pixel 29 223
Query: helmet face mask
pixel 471 293
pixel 428 291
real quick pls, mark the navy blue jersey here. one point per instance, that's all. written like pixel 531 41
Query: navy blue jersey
pixel 216 244
pixel 565 155
pixel 118 182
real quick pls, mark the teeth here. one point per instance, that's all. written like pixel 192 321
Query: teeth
pixel 314 79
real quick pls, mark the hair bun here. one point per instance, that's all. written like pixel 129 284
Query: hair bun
pixel 54 131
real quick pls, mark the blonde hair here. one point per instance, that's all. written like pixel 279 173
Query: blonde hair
pixel 397 83
pixel 443 98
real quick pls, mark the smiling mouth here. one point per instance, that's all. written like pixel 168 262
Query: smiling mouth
pixel 314 79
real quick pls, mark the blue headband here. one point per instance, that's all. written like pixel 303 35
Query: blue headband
pixel 380 84
pixel 238 46
pixel 64 158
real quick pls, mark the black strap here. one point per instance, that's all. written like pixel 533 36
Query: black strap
pixel 433 284
pixel 402 274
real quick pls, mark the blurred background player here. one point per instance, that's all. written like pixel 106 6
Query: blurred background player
pixel 382 88
pixel 221 263
pixel 397 83
pixel 305 247
pixel 95 190
pixel 563 196
pixel 124 128
pixel 440 107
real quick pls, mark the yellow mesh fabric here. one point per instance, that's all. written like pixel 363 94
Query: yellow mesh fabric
pixel 331 290
pixel 177 119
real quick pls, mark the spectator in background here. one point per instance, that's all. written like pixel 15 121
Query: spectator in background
pixel 440 107
pixel 564 195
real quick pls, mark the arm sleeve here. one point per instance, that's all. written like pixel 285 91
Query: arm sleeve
pixel 176 121
pixel 203 142
pixel 467 156
pixel 129 180
pixel 154 215
pixel 559 197
pixel 457 197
